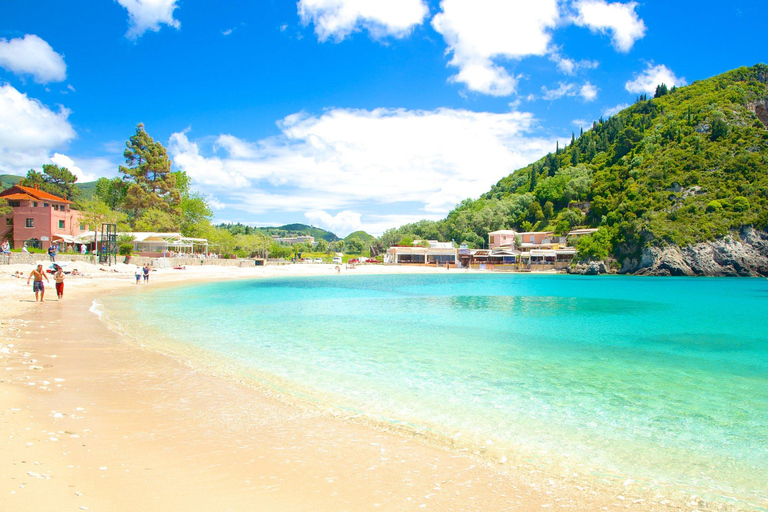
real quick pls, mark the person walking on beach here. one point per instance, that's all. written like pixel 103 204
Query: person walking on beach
pixel 58 277
pixel 138 275
pixel 37 285
pixel 52 252
pixel 146 273
pixel 6 247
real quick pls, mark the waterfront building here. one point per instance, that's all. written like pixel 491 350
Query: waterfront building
pixel 38 219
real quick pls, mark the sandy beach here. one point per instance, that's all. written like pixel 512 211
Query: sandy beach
pixel 90 420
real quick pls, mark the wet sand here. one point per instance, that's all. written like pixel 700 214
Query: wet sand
pixel 92 421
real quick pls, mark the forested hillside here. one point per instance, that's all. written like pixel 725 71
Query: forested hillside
pixel 688 165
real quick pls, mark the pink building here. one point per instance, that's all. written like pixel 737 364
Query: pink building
pixel 520 241
pixel 37 217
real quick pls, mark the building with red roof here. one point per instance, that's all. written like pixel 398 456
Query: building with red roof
pixel 38 218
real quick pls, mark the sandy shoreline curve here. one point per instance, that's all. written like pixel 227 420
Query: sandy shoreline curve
pixel 89 421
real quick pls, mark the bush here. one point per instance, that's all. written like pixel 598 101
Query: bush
pixel 125 249
pixel 740 204
pixel 596 246
pixel 714 206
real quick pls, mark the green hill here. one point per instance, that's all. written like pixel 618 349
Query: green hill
pixel 360 235
pixel 300 229
pixel 87 189
pixel 8 180
pixel 687 166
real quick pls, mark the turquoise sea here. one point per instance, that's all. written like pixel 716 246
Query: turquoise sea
pixel 661 380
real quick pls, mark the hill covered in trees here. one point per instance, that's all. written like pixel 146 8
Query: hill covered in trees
pixel 687 166
pixel 300 230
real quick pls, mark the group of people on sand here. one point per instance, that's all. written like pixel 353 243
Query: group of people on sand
pixel 142 272
pixel 38 274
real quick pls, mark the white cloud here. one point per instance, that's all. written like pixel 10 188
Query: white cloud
pixel 570 66
pixel 344 160
pixel 621 20
pixel 31 55
pixel 337 19
pixel 564 89
pixel 29 130
pixel 652 76
pixel 214 203
pixel 346 221
pixel 615 110
pixel 101 166
pixel 587 91
pixel 149 15
pixel 478 32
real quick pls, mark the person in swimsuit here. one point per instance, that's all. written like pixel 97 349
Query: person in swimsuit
pixel 37 285
pixel 58 277
pixel 146 273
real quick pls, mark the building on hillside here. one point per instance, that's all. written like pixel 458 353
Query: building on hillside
pixel 437 253
pixel 292 240
pixel 38 218
pixel 502 238
pixel 524 240
pixel 577 233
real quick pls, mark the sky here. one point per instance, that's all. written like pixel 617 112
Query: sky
pixel 342 114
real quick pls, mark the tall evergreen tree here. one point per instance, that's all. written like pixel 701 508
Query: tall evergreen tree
pixel 152 184
pixel 55 180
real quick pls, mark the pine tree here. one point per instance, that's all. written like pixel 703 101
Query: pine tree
pixel 55 180
pixel 149 172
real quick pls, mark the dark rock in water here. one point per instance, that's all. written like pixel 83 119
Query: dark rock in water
pixel 744 254
pixel 591 268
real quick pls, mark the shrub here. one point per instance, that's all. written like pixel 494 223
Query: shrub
pixel 714 206
pixel 125 249
pixel 740 204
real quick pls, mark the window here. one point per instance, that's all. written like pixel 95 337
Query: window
pixel 45 205
pixel 61 224
pixel 9 221
pixel 55 207
pixel 34 204
pixel 82 227
pixel 14 203
pixel 532 238
pixel 30 223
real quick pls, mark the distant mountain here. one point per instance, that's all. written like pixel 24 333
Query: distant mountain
pixel 300 229
pixel 688 166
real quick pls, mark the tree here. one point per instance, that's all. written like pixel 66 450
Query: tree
pixel 661 90
pixel 355 246
pixel 4 208
pixel 95 213
pixel 322 246
pixel 195 215
pixel 152 185
pixel 54 180
pixel 155 219
pixel 111 192
pixel 719 129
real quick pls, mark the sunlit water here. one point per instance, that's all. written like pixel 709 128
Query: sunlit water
pixel 662 379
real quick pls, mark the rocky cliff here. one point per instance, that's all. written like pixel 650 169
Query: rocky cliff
pixel 739 254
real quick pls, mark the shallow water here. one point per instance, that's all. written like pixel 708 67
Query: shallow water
pixel 656 379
